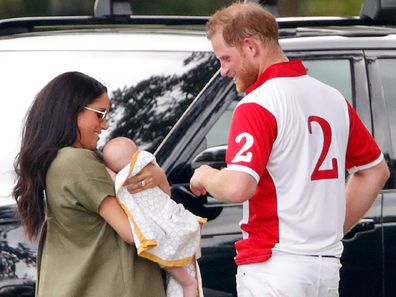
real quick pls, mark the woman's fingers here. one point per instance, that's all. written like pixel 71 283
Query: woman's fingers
pixel 138 183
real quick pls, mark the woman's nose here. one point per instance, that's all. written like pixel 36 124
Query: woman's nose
pixel 104 125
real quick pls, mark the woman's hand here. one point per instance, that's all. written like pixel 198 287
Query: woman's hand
pixel 151 176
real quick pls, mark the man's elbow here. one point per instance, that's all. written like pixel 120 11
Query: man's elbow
pixel 385 174
pixel 376 176
pixel 239 194
pixel 382 172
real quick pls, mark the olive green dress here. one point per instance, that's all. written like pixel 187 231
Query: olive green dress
pixel 80 255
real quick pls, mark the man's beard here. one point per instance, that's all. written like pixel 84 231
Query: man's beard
pixel 246 76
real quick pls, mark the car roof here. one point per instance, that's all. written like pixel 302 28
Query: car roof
pixel 289 26
pixel 109 40
pixel 133 32
pixel 132 39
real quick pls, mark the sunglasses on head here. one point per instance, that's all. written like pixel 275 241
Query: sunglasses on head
pixel 101 114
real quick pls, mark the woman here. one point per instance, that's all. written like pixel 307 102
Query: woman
pixel 86 246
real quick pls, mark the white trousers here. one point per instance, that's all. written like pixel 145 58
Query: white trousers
pixel 285 275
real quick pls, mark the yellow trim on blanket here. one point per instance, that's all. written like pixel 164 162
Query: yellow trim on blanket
pixel 133 161
pixel 202 220
pixel 168 263
pixel 145 243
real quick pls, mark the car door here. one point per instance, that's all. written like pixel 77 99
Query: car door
pixel 362 260
pixel 381 71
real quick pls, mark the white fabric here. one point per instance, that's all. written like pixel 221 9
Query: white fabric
pixel 164 231
pixel 285 275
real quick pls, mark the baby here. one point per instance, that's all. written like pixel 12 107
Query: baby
pixel 163 230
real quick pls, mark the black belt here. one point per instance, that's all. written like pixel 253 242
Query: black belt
pixel 324 256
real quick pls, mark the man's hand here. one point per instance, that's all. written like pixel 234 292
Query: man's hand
pixel 197 180
pixel 224 185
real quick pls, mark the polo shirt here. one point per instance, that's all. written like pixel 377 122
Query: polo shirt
pixel 295 136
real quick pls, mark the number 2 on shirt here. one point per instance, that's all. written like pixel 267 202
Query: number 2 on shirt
pixel 243 155
pixel 318 173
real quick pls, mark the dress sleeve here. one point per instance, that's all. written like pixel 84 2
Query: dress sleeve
pixel 91 182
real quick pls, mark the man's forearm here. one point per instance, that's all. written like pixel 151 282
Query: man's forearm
pixel 224 185
pixel 361 191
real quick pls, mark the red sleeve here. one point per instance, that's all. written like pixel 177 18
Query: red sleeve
pixel 253 131
pixel 362 148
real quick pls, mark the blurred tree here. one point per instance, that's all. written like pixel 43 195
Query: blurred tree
pixel 71 7
pixel 37 7
pixel 287 8
pixel 325 7
pixel 9 8
pixel 17 8
pixel 14 8
pixel 178 7
pixel 146 111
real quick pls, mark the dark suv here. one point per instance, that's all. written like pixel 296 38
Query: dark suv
pixel 167 95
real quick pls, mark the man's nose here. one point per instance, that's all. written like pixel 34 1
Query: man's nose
pixel 224 70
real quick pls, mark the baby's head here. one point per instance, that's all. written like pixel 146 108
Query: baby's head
pixel 117 153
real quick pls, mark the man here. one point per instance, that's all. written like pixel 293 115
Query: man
pixel 291 140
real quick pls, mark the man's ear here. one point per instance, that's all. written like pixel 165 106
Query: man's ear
pixel 251 46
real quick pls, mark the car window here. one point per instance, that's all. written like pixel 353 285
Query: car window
pixel 147 110
pixel 149 90
pixel 334 72
pixel 387 76
pixel 218 134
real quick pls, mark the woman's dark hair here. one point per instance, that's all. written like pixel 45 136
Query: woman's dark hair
pixel 50 124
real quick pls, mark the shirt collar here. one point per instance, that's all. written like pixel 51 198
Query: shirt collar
pixel 283 69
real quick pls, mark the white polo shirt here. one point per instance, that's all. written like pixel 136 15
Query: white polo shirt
pixel 296 136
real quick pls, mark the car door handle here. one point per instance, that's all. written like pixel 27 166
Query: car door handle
pixel 364 225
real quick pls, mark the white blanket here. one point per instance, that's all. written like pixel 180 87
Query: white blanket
pixel 164 231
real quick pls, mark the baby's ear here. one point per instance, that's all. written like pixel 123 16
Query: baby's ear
pixel 112 173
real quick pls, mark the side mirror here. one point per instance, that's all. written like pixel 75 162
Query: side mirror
pixel 213 156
